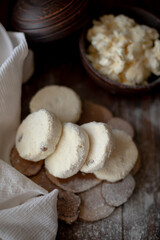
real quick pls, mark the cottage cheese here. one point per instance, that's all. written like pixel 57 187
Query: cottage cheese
pixel 123 50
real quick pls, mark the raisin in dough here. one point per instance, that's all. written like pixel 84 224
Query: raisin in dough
pixel 60 100
pixel 71 152
pixel 101 143
pixel 38 135
pixel 121 160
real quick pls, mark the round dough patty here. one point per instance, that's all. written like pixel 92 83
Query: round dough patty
pixel 38 135
pixel 100 137
pixel 60 100
pixel 121 160
pixel 70 153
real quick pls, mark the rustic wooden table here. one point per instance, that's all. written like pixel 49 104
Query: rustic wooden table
pixel 139 218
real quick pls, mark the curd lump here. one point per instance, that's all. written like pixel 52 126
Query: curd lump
pixel 123 50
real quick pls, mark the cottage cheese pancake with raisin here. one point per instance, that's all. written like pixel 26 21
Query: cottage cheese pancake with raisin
pixel 38 135
pixel 121 160
pixel 71 152
pixel 101 143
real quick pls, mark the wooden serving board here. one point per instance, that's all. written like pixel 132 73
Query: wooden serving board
pixel 139 218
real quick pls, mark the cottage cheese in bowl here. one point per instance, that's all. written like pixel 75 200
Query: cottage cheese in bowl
pixel 123 50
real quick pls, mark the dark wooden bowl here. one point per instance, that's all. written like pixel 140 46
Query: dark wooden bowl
pixel 142 17
pixel 48 20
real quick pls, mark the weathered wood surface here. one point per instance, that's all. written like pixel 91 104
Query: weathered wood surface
pixel 139 218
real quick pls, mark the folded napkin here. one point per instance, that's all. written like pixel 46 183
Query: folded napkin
pixel 27 211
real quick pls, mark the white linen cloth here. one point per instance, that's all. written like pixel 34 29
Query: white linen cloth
pixel 27 211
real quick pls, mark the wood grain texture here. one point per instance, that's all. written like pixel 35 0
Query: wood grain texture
pixel 139 218
pixel 47 20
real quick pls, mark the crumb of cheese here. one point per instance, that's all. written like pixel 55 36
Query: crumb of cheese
pixel 123 50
